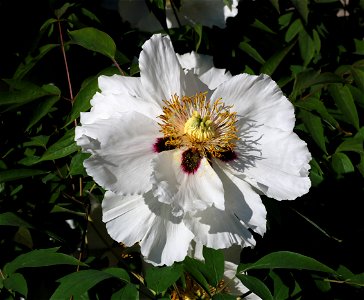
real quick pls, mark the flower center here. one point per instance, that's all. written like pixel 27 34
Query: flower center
pixel 199 128
pixel 194 122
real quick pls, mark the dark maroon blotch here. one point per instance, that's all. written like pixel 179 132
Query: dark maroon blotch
pixel 227 156
pixel 191 160
pixel 160 145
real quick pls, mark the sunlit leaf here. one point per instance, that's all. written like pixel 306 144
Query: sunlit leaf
pixel 159 279
pixel 40 258
pixel 256 286
pixel 286 260
pixel 293 30
pixel 94 40
pixel 214 263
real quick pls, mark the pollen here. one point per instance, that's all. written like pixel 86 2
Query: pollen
pixel 195 122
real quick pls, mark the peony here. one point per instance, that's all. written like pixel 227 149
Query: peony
pixel 215 12
pixel 185 150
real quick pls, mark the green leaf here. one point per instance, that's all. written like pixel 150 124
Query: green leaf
pixel 194 268
pixel 293 30
pixel 256 286
pixel 273 62
pixel 351 144
pixel 358 77
pixel 159 279
pixel 214 263
pixel 78 283
pixel 359 47
pixel 119 273
pixel 38 141
pixel 76 166
pixel 22 92
pixel 260 25
pixel 61 11
pixel 198 29
pixel 314 126
pixel 316 174
pixel 251 52
pixel 286 260
pixel 94 40
pixel 221 296
pixel 275 3
pixel 42 109
pixel 11 219
pixel 15 174
pixel 129 291
pixel 302 8
pixel 307 47
pixel 341 163
pixel 31 61
pixel 40 258
pixel 345 102
pixel 16 282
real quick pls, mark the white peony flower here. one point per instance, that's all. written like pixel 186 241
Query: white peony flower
pixel 205 12
pixel 184 149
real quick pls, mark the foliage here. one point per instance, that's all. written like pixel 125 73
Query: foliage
pixel 52 242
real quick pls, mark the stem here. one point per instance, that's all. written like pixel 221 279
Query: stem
pixel 118 67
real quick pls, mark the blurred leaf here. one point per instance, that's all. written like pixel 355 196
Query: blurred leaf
pixel 61 11
pixel 129 291
pixel 358 77
pixel 293 30
pixel 345 102
pixel 316 174
pixel 260 25
pixel 11 219
pixel 40 258
pixel 41 110
pixel 22 92
pixel 281 290
pixel 341 163
pixel 251 52
pixel 286 260
pixel 307 47
pixel 222 296
pixel 275 3
pixel 15 174
pixel 351 144
pixel 39 141
pixel 160 279
pixel 273 62
pixel 77 283
pixel 359 47
pixel 198 29
pixel 214 263
pixel 314 126
pixel 302 8
pixel 256 286
pixel 30 61
pixel 94 40
pixel 16 282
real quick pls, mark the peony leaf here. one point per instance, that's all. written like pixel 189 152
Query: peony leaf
pixel 94 40
pixel 160 279
pixel 302 8
pixel 351 144
pixel 341 163
pixel 15 174
pixel 256 286
pixel 129 291
pixel 293 30
pixel 345 102
pixel 40 258
pixel 16 282
pixel 194 268
pixel 248 49
pixel 11 219
pixel 214 265
pixel 314 126
pixel 78 283
pixel 307 47
pixel 286 260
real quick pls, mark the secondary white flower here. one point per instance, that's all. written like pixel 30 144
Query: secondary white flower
pixel 205 12
pixel 184 150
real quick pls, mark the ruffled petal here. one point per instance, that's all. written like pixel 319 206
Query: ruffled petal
pixel 276 162
pixel 160 71
pixel 122 149
pixel 163 238
pixel 203 67
pixel 257 99
pixel 219 229
pixel 242 200
pixel 185 192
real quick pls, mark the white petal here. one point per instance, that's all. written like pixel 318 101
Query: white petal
pixel 242 200
pixel 164 239
pixel 278 166
pixel 203 67
pixel 185 192
pixel 122 148
pixel 160 71
pixel 258 99
pixel 219 229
